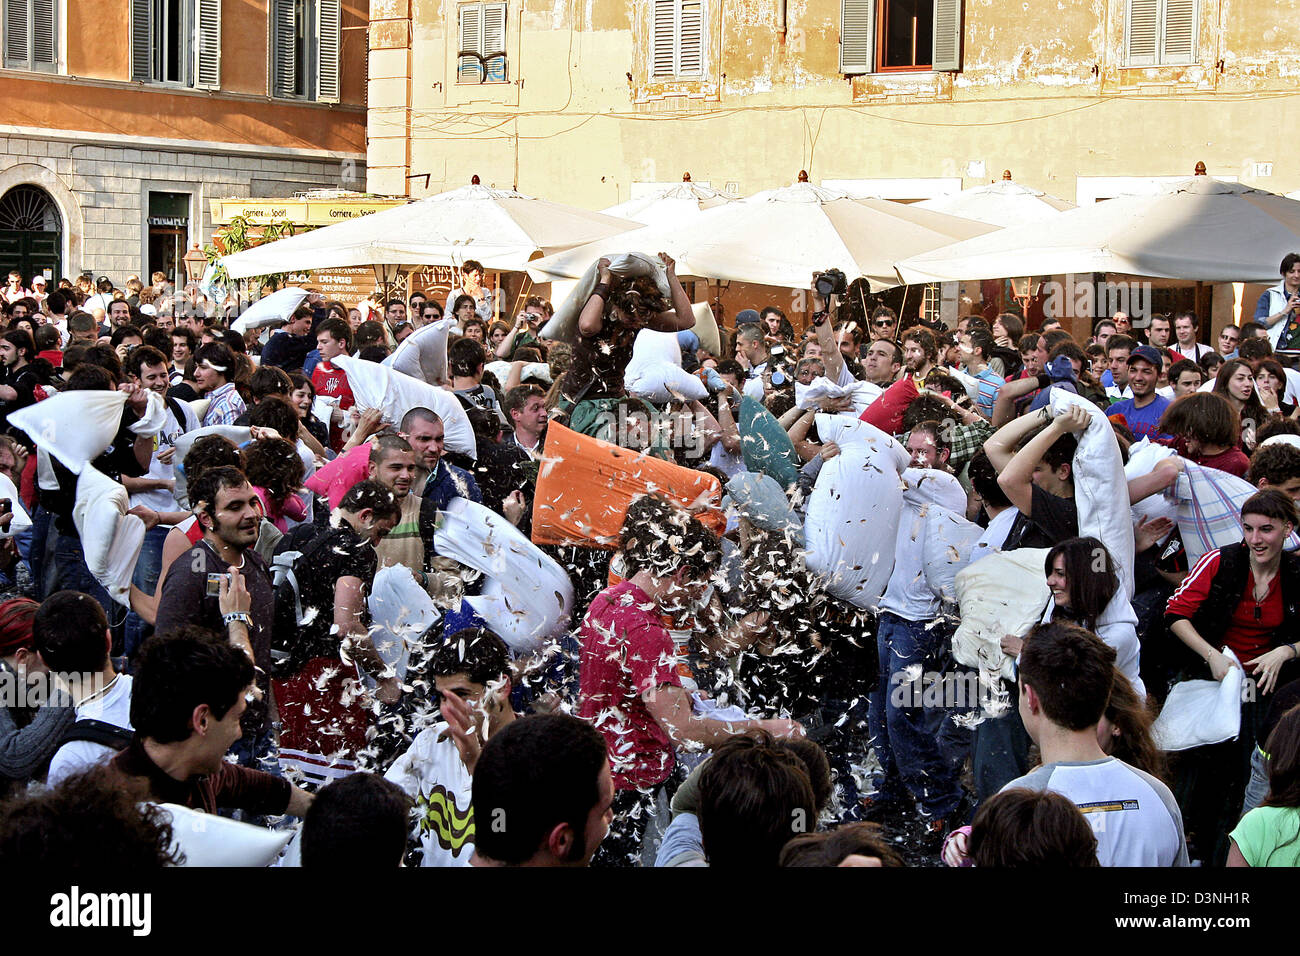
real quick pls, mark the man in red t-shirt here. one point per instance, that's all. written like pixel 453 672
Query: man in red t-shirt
pixel 333 338
pixel 629 687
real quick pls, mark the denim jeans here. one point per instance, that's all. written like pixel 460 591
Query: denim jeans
pixel 1257 788
pixel 905 732
pixel 71 574
pixel 148 568
pixel 1001 749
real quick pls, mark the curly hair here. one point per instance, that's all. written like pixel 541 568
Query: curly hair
pixel 82 824
pixel 638 297
pixel 274 464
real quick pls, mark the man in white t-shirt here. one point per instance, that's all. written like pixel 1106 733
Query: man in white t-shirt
pixel 154 490
pixel 1185 325
pixel 1065 679
pixel 471 675
pixel 904 731
pixel 70 632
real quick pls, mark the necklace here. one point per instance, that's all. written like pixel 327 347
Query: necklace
pixel 1261 599
pixel 99 693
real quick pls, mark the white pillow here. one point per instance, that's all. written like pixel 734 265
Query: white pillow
pixel 395 394
pixel 74 427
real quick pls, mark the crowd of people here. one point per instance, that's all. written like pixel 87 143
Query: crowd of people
pixel 719 692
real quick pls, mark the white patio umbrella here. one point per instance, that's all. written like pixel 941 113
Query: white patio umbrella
pixel 1201 229
pixel 1005 203
pixel 670 206
pixel 270 309
pixel 500 228
pixel 781 237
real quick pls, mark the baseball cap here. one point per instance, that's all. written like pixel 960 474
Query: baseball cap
pixel 38 279
pixel 1146 353
pixel 747 317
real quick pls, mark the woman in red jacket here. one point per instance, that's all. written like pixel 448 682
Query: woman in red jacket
pixel 1244 597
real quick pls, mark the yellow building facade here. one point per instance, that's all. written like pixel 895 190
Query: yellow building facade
pixel 906 99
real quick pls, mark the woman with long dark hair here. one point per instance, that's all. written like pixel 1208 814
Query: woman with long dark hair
pixel 1085 586
pixel 1236 383
pixel 1125 730
pixel 1269 835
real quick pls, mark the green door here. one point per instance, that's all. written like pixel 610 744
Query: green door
pixel 31 234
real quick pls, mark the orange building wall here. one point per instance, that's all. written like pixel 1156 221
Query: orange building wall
pixel 149 111
pixel 99 45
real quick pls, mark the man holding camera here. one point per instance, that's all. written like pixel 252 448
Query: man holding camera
pixel 224 585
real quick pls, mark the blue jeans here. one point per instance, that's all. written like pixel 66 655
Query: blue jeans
pixel 905 732
pixel 71 574
pixel 42 529
pixel 148 568
pixel 1257 787
pixel 1001 750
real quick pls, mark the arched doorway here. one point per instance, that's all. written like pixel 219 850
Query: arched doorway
pixel 31 234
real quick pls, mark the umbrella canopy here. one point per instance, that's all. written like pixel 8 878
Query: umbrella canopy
pixel 499 227
pixel 1004 203
pixel 1202 229
pixel 674 205
pixel 781 237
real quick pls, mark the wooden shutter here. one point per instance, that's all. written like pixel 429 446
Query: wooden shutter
pixel 284 51
pixel 856 46
pixel 142 40
pixel 947 35
pixel 469 68
pixel 1142 32
pixel 329 34
pixel 43 36
pixel 1178 37
pixel 17 36
pixel 207 44
pixel 690 33
pixel 663 31
pixel 494 42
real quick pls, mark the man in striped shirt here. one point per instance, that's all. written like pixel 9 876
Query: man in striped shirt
pixel 214 374
pixel 974 348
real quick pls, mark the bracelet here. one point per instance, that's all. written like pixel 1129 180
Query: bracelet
pixel 601 289
pixel 242 616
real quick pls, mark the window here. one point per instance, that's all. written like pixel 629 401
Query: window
pixel 677 38
pixel 176 42
pixel 482 52
pixel 881 36
pixel 305 41
pixel 1160 32
pixel 29 31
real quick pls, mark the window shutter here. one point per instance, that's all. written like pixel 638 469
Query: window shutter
pixel 207 44
pixel 946 46
pixel 142 40
pixel 855 36
pixel 16 34
pixel 43 40
pixel 494 42
pixel 1142 32
pixel 663 35
pixel 691 42
pixel 284 53
pixel 470 69
pixel 1179 38
pixel 328 39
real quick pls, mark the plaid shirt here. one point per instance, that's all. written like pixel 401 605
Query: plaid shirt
pixel 225 406
pixel 965 441
pixel 1209 510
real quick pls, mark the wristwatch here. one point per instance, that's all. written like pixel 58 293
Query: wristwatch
pixel 243 616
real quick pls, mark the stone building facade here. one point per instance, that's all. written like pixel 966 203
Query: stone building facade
pixel 111 151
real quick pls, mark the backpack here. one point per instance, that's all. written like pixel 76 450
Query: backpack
pixel 98 732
